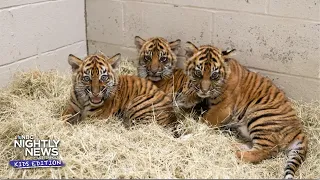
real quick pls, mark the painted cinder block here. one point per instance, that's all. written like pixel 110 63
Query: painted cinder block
pixel 26 31
pixel 157 1
pixel 12 3
pixel 104 21
pixel 276 44
pixel 52 60
pixel 256 6
pixel 306 9
pixel 39 35
pixel 8 46
pixel 148 20
pixel 109 50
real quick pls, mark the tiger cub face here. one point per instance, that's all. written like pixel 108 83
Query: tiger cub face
pixel 207 69
pixel 94 78
pixel 157 57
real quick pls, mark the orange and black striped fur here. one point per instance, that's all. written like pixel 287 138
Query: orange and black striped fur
pixel 157 62
pixel 247 102
pixel 98 91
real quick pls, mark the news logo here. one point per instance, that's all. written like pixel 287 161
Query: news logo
pixel 45 152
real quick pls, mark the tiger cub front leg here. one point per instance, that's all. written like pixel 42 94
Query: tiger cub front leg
pixel 217 114
pixel 186 99
pixel 70 115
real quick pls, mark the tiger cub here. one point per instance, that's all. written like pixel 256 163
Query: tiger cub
pixel 246 102
pixel 157 62
pixel 98 91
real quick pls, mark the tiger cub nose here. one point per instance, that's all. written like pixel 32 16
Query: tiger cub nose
pixel 205 86
pixel 154 71
pixel 204 90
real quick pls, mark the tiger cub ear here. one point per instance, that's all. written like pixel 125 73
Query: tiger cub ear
pixel 175 45
pixel 190 49
pixel 74 62
pixel 139 42
pixel 229 52
pixel 115 61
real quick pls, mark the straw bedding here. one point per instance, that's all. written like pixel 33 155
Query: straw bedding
pixel 32 104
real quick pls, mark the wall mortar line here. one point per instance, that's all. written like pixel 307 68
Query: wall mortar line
pixel 28 4
pixel 40 53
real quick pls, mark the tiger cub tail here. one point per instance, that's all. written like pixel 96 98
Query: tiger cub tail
pixel 297 151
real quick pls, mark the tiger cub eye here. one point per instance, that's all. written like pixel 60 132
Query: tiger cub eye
pixel 103 77
pixel 147 58
pixel 198 73
pixel 86 78
pixel 163 59
pixel 215 75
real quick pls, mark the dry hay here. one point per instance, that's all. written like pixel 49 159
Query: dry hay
pixel 105 149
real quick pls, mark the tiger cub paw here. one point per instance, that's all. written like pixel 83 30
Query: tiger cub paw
pixel 240 146
pixel 182 101
pixel 252 155
pixel 71 118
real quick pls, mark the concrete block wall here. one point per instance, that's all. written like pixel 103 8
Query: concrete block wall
pixel 277 38
pixel 40 34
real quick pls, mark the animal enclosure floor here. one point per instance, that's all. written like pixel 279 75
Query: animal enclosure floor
pixel 32 104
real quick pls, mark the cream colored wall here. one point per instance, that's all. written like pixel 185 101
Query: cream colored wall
pixel 278 38
pixel 40 34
